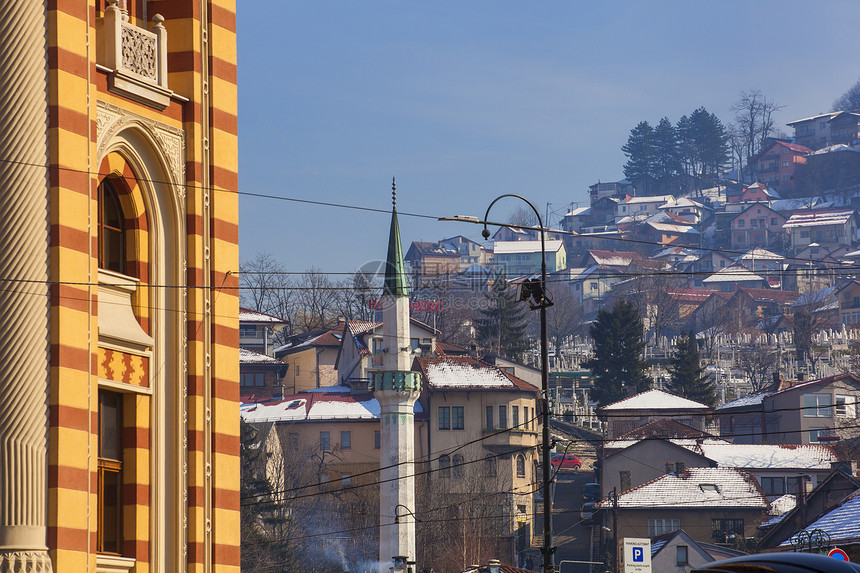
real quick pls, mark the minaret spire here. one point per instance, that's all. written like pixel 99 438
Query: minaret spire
pixel 397 388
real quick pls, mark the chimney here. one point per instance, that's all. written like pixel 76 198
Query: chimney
pixel 494 566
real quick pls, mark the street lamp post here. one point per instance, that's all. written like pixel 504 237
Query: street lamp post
pixel 535 295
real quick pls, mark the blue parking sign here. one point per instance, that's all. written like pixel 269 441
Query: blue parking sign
pixel 638 555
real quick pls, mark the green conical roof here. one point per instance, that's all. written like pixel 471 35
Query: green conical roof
pixel 395 268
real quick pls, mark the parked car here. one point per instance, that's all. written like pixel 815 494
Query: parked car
pixel 591 492
pixel 587 512
pixel 789 562
pixel 565 461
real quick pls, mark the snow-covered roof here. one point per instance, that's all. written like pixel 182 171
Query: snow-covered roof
pixel 655 400
pixel 695 488
pixel 767 456
pixel 733 274
pixel 760 254
pixel 689 443
pixel 744 401
pixel 250 357
pixel 652 199
pixel 614 258
pixel 248 315
pixel 513 247
pixel 668 228
pixel 839 147
pixel 578 211
pixel 316 406
pixel 674 203
pixel 842 523
pixel 467 373
pixel 817 218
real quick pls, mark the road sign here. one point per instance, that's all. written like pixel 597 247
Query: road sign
pixel 837 553
pixel 637 555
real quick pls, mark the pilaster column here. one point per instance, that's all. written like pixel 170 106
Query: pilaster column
pixel 23 287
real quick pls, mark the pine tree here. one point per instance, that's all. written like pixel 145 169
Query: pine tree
pixel 667 163
pixel 617 365
pixel 501 322
pixel 640 153
pixel 688 377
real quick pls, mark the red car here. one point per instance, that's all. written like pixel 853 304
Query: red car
pixel 565 461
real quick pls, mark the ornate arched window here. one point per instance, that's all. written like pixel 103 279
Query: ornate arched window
pixel 111 228
pixel 521 466
pixel 457 463
pixel 444 466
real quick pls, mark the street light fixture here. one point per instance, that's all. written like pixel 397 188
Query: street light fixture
pixel 533 292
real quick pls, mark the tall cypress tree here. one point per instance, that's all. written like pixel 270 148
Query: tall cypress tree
pixel 687 376
pixel 617 365
pixel 501 324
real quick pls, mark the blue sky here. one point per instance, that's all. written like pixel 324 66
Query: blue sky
pixel 464 101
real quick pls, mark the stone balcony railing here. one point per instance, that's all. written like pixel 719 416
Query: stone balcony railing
pixel 136 57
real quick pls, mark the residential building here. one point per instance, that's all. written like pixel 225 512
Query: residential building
pixel 831 229
pixel 841 483
pixel 840 525
pixel 428 260
pixel 260 376
pixel 640 208
pixel 812 132
pixel 610 189
pixel 662 234
pixel 758 225
pixel 638 410
pixel 777 162
pixel 760 260
pixel 798 412
pixel 692 211
pixel 751 305
pixel 310 357
pixel 678 552
pixel 515 258
pixel 849 303
pixel 495 414
pixel 754 193
pixel 120 248
pixel 712 504
pixel 734 277
pixel 845 128
pixel 257 330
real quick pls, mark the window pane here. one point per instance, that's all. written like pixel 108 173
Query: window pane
pixel 444 418
pixel 110 446
pixel 377 439
pixel 325 441
pixel 503 416
pixel 457 421
pixel 490 417
pixel 346 440
pixel 111 489
pixel 515 416
pixel 457 462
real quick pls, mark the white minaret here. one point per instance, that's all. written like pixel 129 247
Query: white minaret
pixel 396 388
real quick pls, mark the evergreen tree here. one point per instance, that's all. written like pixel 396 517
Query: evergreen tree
pixel 703 144
pixel 640 153
pixel 688 377
pixel 501 322
pixel 617 365
pixel 667 163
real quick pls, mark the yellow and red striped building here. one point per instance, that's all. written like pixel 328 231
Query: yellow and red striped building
pixel 118 286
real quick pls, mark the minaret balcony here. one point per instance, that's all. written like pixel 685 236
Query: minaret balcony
pixel 399 381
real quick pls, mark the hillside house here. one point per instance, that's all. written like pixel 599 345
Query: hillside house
pixel 516 258
pixel 777 162
pixel 758 226
pixel 638 410
pixel 831 229
pixel 812 132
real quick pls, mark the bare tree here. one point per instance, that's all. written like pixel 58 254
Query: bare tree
pixel 758 361
pixel 317 296
pixel 712 320
pixel 850 100
pixel 754 123
pixel 523 216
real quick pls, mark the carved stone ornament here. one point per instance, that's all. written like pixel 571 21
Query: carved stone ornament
pixel 139 52
pixel 110 119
